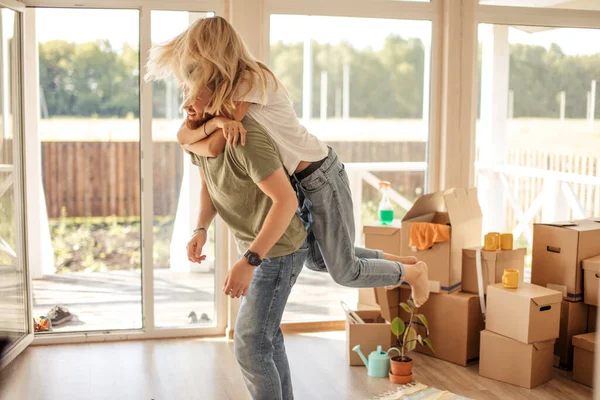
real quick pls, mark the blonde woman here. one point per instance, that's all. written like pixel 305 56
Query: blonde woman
pixel 210 59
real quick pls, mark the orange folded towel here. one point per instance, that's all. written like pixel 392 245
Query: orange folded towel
pixel 423 235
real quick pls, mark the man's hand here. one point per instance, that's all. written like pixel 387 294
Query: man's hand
pixel 194 247
pixel 238 279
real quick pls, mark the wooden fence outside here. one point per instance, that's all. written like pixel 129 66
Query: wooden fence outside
pixel 91 179
pixel 102 178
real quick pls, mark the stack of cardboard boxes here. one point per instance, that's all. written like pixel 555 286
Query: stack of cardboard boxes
pixel 566 258
pixel 526 327
pixel 521 327
pixel 454 317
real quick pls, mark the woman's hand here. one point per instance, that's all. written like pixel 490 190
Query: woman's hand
pixel 233 131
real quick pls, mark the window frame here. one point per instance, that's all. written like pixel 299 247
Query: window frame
pixel 524 16
pixel 19 185
pixel 149 330
pixel 388 9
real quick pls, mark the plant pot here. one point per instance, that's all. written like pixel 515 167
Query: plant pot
pixel 400 379
pixel 401 368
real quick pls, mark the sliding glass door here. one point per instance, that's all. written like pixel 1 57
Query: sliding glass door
pixel 119 195
pixel 89 133
pixel 15 324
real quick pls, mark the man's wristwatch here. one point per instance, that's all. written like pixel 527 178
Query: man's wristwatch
pixel 253 258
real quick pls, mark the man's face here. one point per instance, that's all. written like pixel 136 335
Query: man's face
pixel 195 111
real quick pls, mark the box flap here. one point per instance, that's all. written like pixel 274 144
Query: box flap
pixel 586 341
pixel 591 264
pixel 426 204
pixel 384 230
pixel 462 204
pixel 544 345
pixel 561 224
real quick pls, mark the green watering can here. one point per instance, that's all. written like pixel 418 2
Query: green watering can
pixel 378 364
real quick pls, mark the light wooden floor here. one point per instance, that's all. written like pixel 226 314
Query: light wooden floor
pixel 205 369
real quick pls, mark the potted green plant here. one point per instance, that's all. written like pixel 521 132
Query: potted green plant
pixel 408 338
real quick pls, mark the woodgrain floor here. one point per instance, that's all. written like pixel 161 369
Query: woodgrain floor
pixel 205 369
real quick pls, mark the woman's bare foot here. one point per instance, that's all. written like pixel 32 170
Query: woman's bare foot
pixel 416 276
pixel 400 259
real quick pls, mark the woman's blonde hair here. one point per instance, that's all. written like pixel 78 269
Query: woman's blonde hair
pixel 211 55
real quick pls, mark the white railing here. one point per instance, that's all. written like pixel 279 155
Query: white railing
pixel 363 172
pixel 555 199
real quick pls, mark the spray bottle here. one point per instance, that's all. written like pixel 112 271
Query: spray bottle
pixel 386 212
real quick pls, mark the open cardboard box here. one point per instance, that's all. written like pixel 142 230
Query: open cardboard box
pixel 455 322
pixel 510 361
pixel 493 264
pixel 573 321
pixel 458 208
pixel 528 314
pixel 374 332
pixel 558 250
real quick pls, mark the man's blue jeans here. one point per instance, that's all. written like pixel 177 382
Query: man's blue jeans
pixel 258 340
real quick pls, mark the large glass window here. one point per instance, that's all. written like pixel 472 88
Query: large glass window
pixel 184 292
pixel 89 133
pixel 538 132
pixel 362 86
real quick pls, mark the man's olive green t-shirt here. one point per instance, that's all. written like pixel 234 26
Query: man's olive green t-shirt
pixel 231 179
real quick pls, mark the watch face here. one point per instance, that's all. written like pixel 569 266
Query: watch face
pixel 253 259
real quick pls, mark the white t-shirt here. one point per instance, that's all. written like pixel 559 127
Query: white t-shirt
pixel 274 110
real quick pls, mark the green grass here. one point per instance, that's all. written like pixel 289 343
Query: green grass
pixel 108 243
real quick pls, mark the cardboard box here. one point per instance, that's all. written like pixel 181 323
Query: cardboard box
pixel 573 321
pixel 380 237
pixel 366 299
pixel 458 208
pixel 374 332
pixel 528 314
pixel 583 362
pixel 510 361
pixel 591 280
pixel 592 318
pixel 558 250
pixel 493 264
pixel 384 237
pixel 455 322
